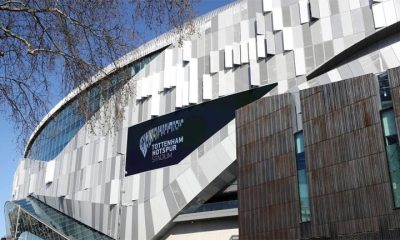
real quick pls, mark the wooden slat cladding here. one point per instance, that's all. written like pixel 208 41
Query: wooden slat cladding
pixel 349 183
pixel 267 187
pixel 345 155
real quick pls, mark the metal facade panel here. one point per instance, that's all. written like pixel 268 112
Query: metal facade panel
pixel 261 51
pixel 287 38
pixel 32 183
pixel 236 54
pixel 87 179
pixel 193 81
pixel 347 28
pixel 390 12
pixel 179 85
pixel 326 29
pixel 185 91
pixel 314 5
pixel 254 73
pixel 141 227
pixel 155 103
pixel 244 30
pixel 244 52
pixel 252 49
pixel 324 8
pixel 354 4
pixel 187 51
pixel 214 61
pixel 299 61
pixel 304 12
pixel 228 55
pixel 260 23
pixel 270 43
pixel 160 207
pixel 267 5
pixel 207 87
pixel 379 15
pixel 277 19
pixel 138 89
pixel 168 58
pixel 50 167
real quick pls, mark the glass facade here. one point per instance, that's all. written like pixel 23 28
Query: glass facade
pixel 391 137
pixel 63 126
pixel 28 236
pixel 384 91
pixel 30 218
pixel 302 177
pixel 392 151
pixel 20 222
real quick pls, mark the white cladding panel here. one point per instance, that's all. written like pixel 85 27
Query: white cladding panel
pixel 379 15
pixel 304 12
pixel 168 75
pixel 244 52
pixel 228 57
pixel 261 46
pixel 252 49
pixel 180 75
pixel 277 20
pixel 32 183
pixel 236 54
pixel 187 51
pixel 214 61
pixel 288 38
pixel 390 12
pixel 115 191
pixel 299 61
pixel 267 5
pixel 193 82
pixel 50 167
pixel 207 87
pixel 260 24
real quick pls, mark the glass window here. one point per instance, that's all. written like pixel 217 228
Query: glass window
pixel 392 151
pixel 35 217
pixel 65 124
pixel 391 138
pixel 384 91
pixel 302 177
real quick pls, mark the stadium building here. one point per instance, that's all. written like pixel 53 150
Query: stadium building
pixel 278 120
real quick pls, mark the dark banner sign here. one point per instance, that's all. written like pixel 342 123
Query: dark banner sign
pixel 167 140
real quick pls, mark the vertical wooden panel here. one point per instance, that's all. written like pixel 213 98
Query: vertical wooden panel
pixel 345 155
pixel 349 184
pixel 267 188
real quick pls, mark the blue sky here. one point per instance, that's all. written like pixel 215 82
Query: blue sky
pixel 10 155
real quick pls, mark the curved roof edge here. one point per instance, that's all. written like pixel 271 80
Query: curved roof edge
pixel 153 45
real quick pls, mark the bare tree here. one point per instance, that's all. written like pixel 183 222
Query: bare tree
pixel 43 40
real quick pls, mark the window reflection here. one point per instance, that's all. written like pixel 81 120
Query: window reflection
pixel 391 138
pixel 392 151
pixel 302 177
pixel 32 218
pixel 65 124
